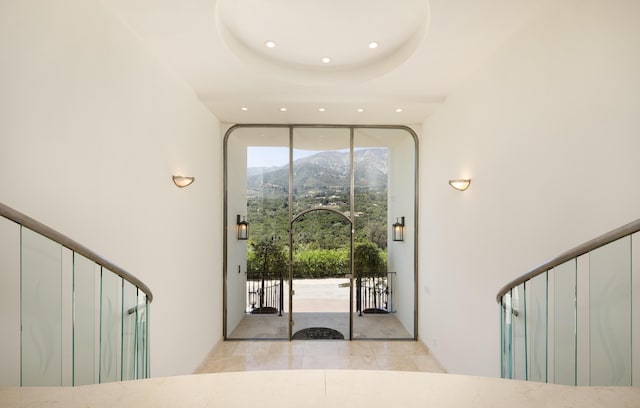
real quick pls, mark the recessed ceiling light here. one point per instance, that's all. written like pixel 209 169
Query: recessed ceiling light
pixel 244 108
pixel 399 110
pixel 373 44
pixel 321 109
pixel 326 60
pixel 360 110
pixel 269 44
pixel 283 109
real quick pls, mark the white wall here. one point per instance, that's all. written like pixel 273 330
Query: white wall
pixel 548 130
pixel 91 130
pixel 401 203
pixel 236 250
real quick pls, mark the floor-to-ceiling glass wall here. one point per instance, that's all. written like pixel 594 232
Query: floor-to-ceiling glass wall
pixel 384 194
pixel 320 260
pixel 321 233
pixel 257 271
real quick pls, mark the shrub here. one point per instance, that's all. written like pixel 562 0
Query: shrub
pixel 368 259
pixel 321 263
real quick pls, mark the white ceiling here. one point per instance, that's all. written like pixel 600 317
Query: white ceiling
pixel 426 50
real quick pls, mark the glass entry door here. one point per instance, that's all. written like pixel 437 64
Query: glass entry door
pixel 321 264
pixel 321 219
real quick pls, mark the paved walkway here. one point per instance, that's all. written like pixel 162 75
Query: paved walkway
pixel 318 295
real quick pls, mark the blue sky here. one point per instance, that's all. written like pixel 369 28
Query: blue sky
pixel 267 156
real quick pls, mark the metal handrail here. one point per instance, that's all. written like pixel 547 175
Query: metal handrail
pixel 40 228
pixel 588 246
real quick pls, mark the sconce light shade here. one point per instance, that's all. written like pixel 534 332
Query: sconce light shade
pixel 182 181
pixel 397 231
pixel 242 227
pixel 460 184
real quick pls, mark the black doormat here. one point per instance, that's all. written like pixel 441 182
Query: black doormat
pixel 374 311
pixel 264 310
pixel 318 333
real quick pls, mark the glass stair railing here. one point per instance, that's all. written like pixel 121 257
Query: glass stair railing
pixel 68 316
pixel 575 320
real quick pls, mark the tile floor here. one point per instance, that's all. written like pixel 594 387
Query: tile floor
pixel 372 326
pixel 319 354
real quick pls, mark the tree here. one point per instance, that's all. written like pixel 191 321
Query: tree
pixel 368 260
pixel 266 260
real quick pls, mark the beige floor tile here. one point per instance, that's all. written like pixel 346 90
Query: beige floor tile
pixel 396 362
pixel 319 354
pixel 326 348
pixel 397 348
pixel 224 364
pixel 287 348
pixel 252 348
pixel 287 363
pixel 367 362
pixel 428 364
pixel 324 363
pixel 224 348
pixel 360 348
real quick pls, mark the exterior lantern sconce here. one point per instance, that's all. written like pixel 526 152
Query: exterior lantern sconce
pixel 398 229
pixel 460 184
pixel 182 181
pixel 242 227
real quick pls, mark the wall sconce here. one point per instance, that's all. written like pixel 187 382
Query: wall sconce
pixel 182 181
pixel 242 227
pixel 460 184
pixel 398 229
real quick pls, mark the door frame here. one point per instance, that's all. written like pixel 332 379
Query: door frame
pixel 352 127
pixel 350 223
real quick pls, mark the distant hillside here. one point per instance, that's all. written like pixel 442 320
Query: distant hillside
pixel 322 173
pixel 252 171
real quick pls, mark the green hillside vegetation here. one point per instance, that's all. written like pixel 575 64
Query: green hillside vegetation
pixel 321 239
pixel 270 261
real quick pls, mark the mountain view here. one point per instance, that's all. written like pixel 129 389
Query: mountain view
pixel 321 180
pixel 325 172
pixel 321 239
